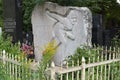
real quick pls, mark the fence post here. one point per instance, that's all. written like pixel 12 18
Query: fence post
pixel 83 69
pixel 52 71
pixel 4 56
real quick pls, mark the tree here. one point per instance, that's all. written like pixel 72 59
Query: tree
pixel 108 8
pixel 28 6
pixel 1 13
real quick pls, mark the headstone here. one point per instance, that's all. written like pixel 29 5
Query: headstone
pixel 70 27
pixel 13 18
pixel 107 38
pixel 97 30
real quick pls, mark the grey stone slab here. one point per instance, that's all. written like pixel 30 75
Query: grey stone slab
pixel 69 26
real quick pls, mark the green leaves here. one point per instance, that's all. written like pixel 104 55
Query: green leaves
pixel 3 74
pixel 28 6
pixel 109 9
pixel 7 45
pixel 1 13
pixel 40 2
pixel 115 41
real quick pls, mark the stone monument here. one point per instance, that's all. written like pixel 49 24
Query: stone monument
pixel 70 27
pixel 13 19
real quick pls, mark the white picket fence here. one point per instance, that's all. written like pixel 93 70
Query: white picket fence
pixel 105 66
pixel 18 69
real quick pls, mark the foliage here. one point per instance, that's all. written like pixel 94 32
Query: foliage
pixel 28 6
pixel 83 52
pixel 115 42
pixel 99 6
pixel 3 74
pixel 23 70
pixel 108 8
pixel 95 54
pixel 6 44
pixel 14 49
pixel 115 70
pixel 15 53
pixel 49 50
pixel 1 13
pixel 48 53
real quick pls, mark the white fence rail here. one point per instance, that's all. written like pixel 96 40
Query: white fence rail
pixel 60 71
pixel 105 66
pixel 16 69
pixel 5 59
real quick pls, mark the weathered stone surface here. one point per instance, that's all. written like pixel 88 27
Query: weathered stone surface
pixel 13 23
pixel 69 26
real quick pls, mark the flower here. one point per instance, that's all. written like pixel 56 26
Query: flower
pixel 27 49
pixel 49 50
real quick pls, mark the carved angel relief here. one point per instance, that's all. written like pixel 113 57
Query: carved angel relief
pixel 69 26
pixel 62 29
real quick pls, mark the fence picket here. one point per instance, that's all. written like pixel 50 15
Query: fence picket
pixel 83 69
pixel 61 77
pixel 97 68
pixel 67 73
pixel 118 52
pixel 10 65
pixel 114 56
pixel 78 72
pixel 52 71
pixel 4 56
pixel 16 72
pixel 7 63
pixel 100 67
pixel 109 64
pixel 72 72
pixel 93 69
pixel 105 64
pixel 89 69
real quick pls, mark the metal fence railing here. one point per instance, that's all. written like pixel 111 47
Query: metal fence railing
pixel 105 66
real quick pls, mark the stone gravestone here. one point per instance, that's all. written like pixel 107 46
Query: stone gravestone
pixel 97 30
pixel 13 19
pixel 70 27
